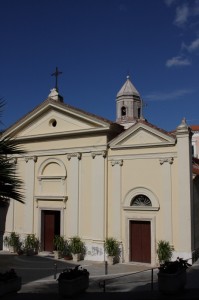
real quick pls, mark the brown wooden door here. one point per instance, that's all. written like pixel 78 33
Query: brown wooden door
pixel 140 241
pixel 50 228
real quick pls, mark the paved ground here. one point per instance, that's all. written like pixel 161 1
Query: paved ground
pixel 123 281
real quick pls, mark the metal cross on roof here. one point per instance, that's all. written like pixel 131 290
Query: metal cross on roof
pixel 56 74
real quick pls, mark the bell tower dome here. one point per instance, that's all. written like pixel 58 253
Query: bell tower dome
pixel 128 104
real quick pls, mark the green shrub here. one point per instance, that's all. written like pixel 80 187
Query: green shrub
pixel 76 245
pixel 164 251
pixel 111 246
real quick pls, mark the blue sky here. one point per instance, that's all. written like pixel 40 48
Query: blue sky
pixel 96 44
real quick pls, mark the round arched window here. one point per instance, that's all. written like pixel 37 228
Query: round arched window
pixel 141 200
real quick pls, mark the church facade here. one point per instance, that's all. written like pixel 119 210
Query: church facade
pixel 87 176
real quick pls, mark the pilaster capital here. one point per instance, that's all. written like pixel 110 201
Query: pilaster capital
pixel 117 162
pixel 34 158
pixel 94 153
pixel 14 160
pixel 74 154
pixel 166 159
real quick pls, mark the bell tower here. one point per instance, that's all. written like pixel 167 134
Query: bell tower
pixel 128 105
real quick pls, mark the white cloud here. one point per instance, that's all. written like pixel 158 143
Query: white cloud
pixel 194 46
pixel 174 95
pixel 169 2
pixel 185 11
pixel 178 61
pixel 182 14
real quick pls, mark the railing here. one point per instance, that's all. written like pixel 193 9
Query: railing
pixel 150 279
pixel 113 279
pixel 107 281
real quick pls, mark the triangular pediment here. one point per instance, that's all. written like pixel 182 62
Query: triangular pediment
pixel 52 118
pixel 142 134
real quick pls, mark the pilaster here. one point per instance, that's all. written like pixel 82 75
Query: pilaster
pixel 10 213
pixel 184 187
pixel 98 194
pixel 73 193
pixel 167 224
pixel 29 193
pixel 116 198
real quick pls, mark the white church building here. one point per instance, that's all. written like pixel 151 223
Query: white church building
pixel 88 176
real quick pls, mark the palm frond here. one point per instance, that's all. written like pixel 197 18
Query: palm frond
pixel 11 186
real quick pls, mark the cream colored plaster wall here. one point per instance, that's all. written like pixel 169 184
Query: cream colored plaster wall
pixel 86 200
pixel 157 151
pixel 156 174
pixel 184 201
pixel 15 214
pixel 67 143
pixel 43 125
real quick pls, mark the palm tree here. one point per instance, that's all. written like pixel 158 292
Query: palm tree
pixel 11 186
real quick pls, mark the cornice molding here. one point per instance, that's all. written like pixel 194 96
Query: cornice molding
pixel 51 198
pixel 143 156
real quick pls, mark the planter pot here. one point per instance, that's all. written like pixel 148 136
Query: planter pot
pixel 70 288
pixel 111 260
pixel 20 252
pixel 57 254
pixel 12 249
pixel 77 256
pixel 30 252
pixel 10 286
pixel 68 257
pixel 172 283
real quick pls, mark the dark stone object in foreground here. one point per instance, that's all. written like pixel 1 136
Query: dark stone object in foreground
pixel 9 283
pixel 72 282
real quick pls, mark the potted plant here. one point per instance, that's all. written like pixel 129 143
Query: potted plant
pixel 164 251
pixel 111 247
pixel 73 281
pixel 77 248
pixel 59 245
pixel 67 254
pixel 31 244
pixel 9 282
pixel 13 242
pixel 172 276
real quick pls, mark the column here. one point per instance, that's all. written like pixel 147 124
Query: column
pixel 184 217
pixel 167 226
pixel 98 195
pixel 9 218
pixel 116 198
pixel 73 194
pixel 29 194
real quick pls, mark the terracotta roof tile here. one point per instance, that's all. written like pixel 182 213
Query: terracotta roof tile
pixel 194 127
pixel 171 134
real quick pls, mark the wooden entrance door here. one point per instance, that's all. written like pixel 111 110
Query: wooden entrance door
pixel 50 228
pixel 140 241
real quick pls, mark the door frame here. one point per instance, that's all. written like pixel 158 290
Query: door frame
pixel 135 252
pixel 61 210
pixel 152 221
